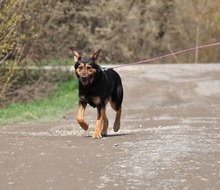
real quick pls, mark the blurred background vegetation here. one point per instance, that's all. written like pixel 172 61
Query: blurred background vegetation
pixel 125 30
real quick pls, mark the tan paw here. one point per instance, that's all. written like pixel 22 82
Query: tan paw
pixel 96 135
pixel 85 126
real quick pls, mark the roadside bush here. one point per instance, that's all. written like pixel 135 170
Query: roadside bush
pixel 10 17
pixel 125 30
pixel 16 33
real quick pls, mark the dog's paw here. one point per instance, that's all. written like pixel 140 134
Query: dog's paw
pixel 84 125
pixel 104 133
pixel 96 135
pixel 116 126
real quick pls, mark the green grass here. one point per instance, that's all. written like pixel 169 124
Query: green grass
pixel 62 100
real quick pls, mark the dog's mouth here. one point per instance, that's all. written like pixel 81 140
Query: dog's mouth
pixel 86 81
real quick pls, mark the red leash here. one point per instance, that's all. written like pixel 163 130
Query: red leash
pixel 168 55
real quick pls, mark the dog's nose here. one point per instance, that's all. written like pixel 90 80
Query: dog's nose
pixel 83 77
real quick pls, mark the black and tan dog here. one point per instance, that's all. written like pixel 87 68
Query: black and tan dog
pixel 97 86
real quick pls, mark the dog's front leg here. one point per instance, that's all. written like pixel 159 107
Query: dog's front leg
pixel 80 120
pixel 100 118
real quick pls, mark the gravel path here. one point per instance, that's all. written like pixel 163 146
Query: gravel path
pixel 169 138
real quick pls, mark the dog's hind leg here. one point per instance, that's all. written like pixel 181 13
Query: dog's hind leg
pixel 116 101
pixel 105 126
pixel 117 122
pixel 80 120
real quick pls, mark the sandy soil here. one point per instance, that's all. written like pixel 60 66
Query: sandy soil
pixel 169 138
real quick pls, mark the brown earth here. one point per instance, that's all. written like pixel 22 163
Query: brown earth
pixel 169 138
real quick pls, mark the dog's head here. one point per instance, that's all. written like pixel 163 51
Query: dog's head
pixel 86 68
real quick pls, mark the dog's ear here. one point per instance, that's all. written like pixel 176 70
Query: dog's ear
pixel 96 55
pixel 76 54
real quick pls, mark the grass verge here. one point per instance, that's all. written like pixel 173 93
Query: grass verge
pixel 51 109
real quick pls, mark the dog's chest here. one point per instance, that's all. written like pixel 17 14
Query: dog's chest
pixel 93 101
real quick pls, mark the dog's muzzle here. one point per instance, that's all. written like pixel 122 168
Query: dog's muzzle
pixel 85 81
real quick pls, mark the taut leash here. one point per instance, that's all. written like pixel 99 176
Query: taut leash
pixel 168 55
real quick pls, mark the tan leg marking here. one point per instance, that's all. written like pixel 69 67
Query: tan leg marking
pixel 105 126
pixel 98 129
pixel 80 120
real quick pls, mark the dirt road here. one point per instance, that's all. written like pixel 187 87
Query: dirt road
pixel 169 138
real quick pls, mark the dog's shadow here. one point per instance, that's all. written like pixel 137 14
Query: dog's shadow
pixel 117 135
pixel 111 135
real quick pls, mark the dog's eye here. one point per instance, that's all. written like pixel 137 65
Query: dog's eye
pixel 80 67
pixel 89 67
